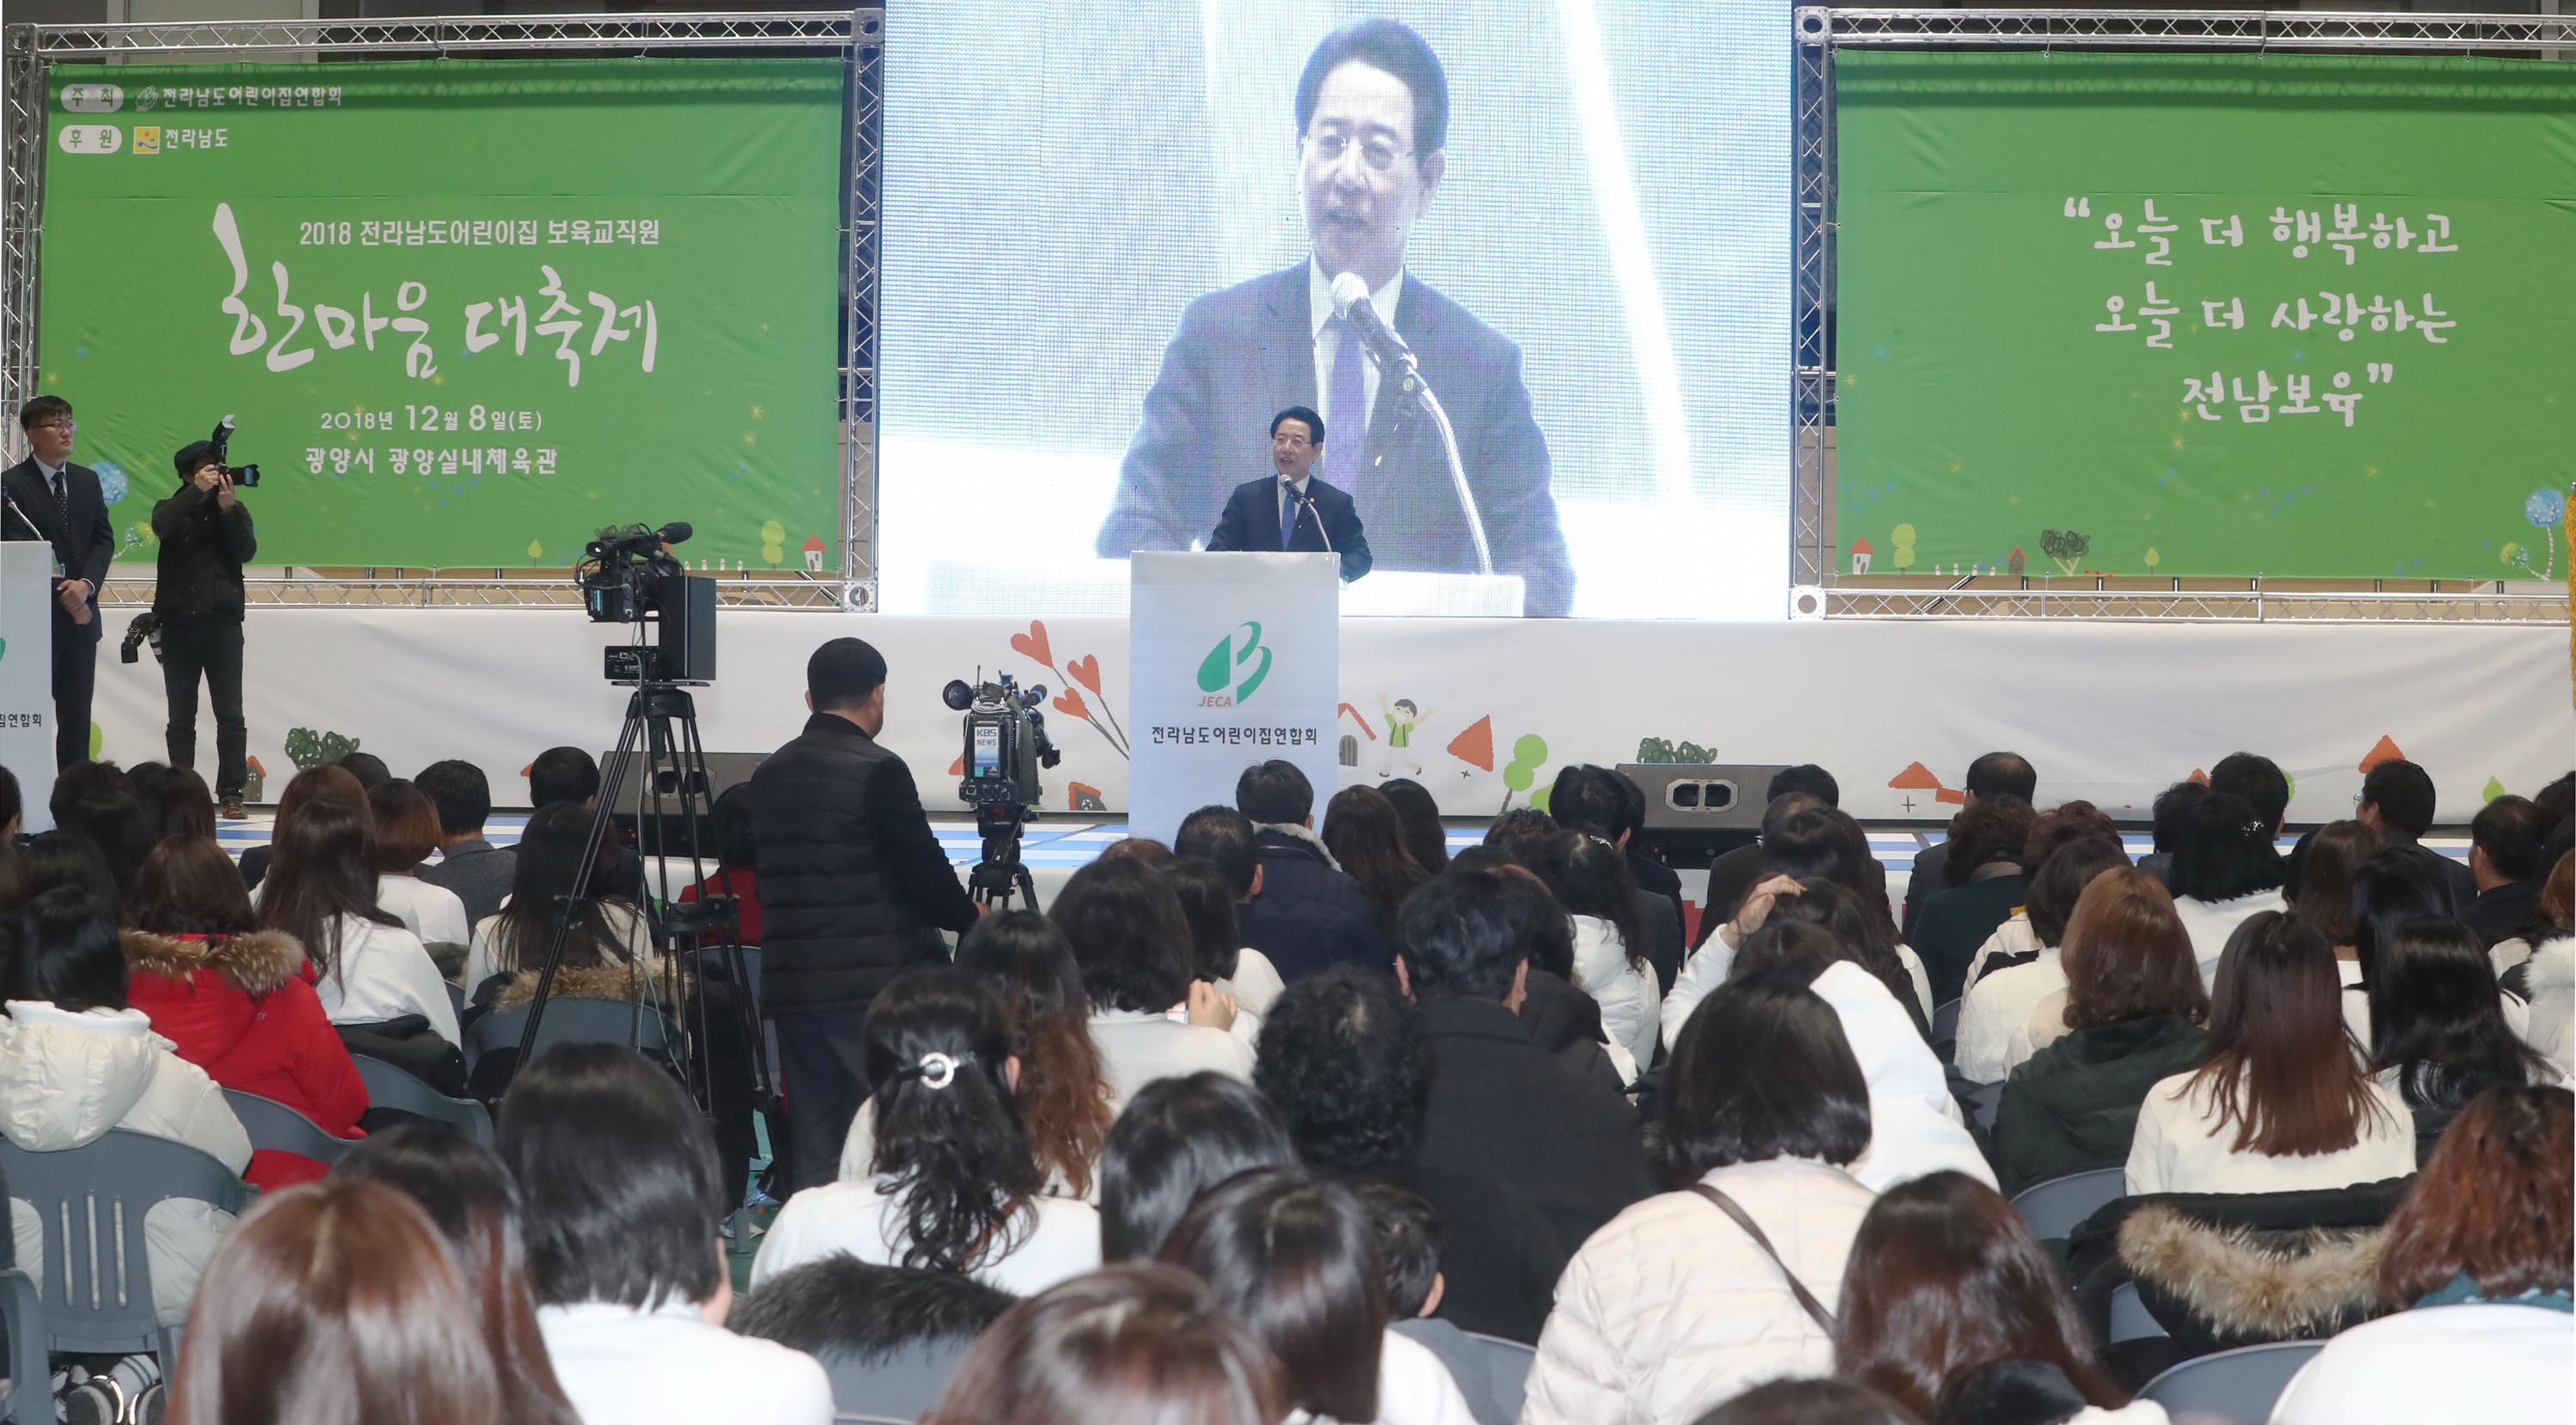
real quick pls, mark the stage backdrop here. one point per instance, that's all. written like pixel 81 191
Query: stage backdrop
pixel 2205 314
pixel 467 312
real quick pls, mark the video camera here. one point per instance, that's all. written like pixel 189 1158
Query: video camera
pixel 243 476
pixel 627 574
pixel 1006 741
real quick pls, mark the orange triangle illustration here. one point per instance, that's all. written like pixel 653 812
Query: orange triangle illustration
pixel 2384 750
pixel 1915 778
pixel 2199 776
pixel 1475 746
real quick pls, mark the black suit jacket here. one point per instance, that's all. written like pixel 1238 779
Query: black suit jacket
pixel 82 538
pixel 1251 522
pixel 1243 353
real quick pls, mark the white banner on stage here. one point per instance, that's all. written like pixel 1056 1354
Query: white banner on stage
pixel 1232 659
pixel 27 674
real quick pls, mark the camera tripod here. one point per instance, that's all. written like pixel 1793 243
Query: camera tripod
pixel 1001 873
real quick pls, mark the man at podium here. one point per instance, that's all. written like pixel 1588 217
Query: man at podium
pixel 1294 513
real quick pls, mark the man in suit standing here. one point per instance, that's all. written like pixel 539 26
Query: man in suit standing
pixel 1373 122
pixel 53 500
pixel 1296 512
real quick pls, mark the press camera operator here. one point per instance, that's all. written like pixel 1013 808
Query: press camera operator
pixel 206 538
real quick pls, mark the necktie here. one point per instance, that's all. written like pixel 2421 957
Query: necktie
pixel 61 501
pixel 1287 514
pixel 1346 408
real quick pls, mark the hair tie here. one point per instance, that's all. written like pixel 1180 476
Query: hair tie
pixel 936 1070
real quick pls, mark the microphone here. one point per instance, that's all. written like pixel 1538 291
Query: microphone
pixel 676 532
pixel 1351 303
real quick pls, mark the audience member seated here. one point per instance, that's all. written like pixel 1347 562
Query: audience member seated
pixel 476 870
pixel 2320 887
pixel 2504 861
pixel 2013 942
pixel 2224 872
pixel 65 858
pixel 1218 955
pixel 1222 837
pixel 406 823
pixel 1812 1402
pixel 1308 912
pixel 76 1061
pixel 176 801
pixel 1807 841
pixel 1945 1280
pixel 1595 801
pixel 1732 874
pixel 2438 1031
pixel 1689 1297
pixel 1345 1061
pixel 1988 881
pixel 2003 995
pixel 622 1195
pixel 2397 801
pixel 1295 1259
pixel 1407 1231
pixel 890 1338
pixel 737 873
pixel 2550 975
pixel 2171 817
pixel 2260 782
pixel 2550 916
pixel 1589 878
pixel 2130 1016
pixel 1560 1019
pixel 1366 838
pixel 1916 1126
pixel 470 1199
pixel 1125 925
pixel 112 819
pixel 2476 1269
pixel 323 893
pixel 1494 1092
pixel 1179 1138
pixel 2006 775
pixel 2283 1102
pixel 1862 937
pixel 332 781
pixel 952 1186
pixel 608 932
pixel 339 1301
pixel 1128 1344
pixel 235 1000
pixel 1424 835
pixel 2392 888
pixel 563 776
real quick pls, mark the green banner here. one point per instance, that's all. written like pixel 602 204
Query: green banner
pixel 466 312
pixel 2205 315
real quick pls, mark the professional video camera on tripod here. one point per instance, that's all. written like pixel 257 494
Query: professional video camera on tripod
pixel 628 575
pixel 1006 744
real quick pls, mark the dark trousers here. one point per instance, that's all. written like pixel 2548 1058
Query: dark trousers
pixel 75 679
pixel 824 1064
pixel 208 648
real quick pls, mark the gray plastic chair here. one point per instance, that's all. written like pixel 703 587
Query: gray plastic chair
pixel 1945 1028
pixel 2130 1319
pixel 1985 1102
pixel 2053 1208
pixel 570 1019
pixel 392 1086
pixel 22 1314
pixel 1507 1368
pixel 279 1128
pixel 92 1200
pixel 2237 1387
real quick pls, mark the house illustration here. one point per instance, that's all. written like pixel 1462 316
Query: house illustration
pixel 1860 553
pixel 814 553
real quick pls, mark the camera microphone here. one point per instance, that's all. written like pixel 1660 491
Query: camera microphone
pixel 677 532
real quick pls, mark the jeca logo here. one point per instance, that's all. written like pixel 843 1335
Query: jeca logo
pixel 1232 665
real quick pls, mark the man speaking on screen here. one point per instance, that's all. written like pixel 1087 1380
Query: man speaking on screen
pixel 1373 120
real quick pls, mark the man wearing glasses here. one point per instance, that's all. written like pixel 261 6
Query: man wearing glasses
pixel 53 500
pixel 1373 121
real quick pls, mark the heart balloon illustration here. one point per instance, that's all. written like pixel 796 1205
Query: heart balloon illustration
pixel 1033 645
pixel 1086 671
pixel 1070 704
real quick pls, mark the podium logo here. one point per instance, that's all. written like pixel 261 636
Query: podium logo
pixel 1229 675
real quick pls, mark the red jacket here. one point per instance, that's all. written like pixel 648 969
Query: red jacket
pixel 242 1008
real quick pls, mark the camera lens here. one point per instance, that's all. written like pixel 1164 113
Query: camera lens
pixel 957 695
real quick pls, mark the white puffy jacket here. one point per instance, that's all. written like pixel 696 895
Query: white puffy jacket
pixel 1915 1126
pixel 66 1079
pixel 2553 1002
pixel 1671 1309
pixel 1625 993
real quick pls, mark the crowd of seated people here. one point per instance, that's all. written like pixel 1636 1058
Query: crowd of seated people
pixel 1271 1122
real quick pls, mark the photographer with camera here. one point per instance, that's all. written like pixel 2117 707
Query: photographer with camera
pixel 206 538
pixel 854 891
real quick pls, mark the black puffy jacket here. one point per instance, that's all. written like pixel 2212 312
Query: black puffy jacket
pixel 1310 914
pixel 203 549
pixel 853 887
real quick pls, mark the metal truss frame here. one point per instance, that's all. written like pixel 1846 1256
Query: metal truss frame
pixel 29 52
pixel 1818 32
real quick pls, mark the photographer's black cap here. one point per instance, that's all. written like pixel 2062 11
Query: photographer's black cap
pixel 193 456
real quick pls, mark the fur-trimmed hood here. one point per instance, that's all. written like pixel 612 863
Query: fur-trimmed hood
pixel 1299 834
pixel 584 981
pixel 2262 1286
pixel 256 963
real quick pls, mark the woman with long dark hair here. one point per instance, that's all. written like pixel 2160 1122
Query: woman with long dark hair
pixel 953 1186
pixel 1945 1278
pixel 608 933
pixel 1128 1345
pixel 2225 869
pixel 1365 833
pixel 1062 1096
pixel 1295 1258
pixel 1125 924
pixel 329 782
pixel 1590 878
pixel 236 1000
pixel 322 892
pixel 2393 888
pixel 407 833
pixel 1212 908
pixel 2438 1031
pixel 1424 835
pixel 2283 1102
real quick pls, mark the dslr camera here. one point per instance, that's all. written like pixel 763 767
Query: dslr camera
pixel 244 477
pixel 1006 741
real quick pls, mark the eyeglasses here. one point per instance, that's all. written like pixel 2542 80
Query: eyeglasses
pixel 1377 153
pixel 66 427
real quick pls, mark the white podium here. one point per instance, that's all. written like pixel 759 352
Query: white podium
pixel 27 674
pixel 1233 659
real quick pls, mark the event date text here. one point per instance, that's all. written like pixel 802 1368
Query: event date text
pixel 434 418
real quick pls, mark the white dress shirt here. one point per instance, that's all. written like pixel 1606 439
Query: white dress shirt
pixel 860 1217
pixel 1319 310
pixel 431 912
pixel 619 1365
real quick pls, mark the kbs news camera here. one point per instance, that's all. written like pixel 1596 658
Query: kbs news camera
pixel 627 574
pixel 1006 744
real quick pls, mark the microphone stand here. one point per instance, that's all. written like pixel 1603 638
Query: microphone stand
pixel 1417 392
